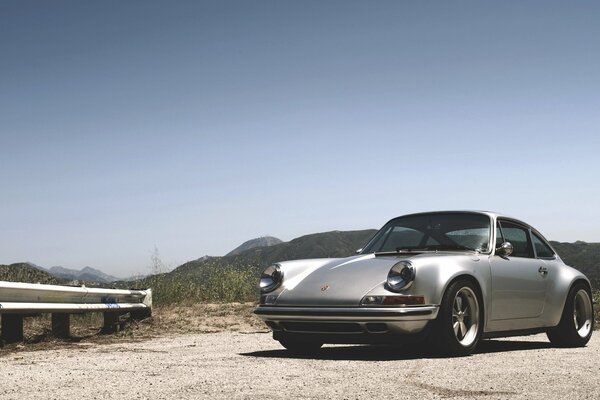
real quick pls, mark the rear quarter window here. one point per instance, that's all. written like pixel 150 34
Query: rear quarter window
pixel 541 247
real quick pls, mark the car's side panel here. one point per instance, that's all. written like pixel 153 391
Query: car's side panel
pixel 518 289
pixel 561 278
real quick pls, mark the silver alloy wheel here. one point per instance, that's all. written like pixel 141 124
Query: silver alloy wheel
pixel 465 316
pixel 582 313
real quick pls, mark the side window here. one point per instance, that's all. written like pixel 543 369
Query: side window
pixel 541 248
pixel 519 238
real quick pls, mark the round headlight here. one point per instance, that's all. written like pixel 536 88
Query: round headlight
pixel 400 276
pixel 271 278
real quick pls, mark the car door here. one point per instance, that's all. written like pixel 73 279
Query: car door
pixel 519 281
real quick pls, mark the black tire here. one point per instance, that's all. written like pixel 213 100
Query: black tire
pixel 577 321
pixel 443 337
pixel 300 347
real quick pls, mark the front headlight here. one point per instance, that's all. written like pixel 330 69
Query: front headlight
pixel 271 278
pixel 400 276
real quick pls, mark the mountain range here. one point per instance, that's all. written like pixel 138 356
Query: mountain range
pixel 61 274
pixel 581 255
pixel 258 253
pixel 87 274
pixel 317 245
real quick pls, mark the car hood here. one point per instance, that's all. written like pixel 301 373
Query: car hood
pixel 344 282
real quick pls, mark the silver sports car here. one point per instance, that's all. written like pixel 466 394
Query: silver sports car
pixel 451 278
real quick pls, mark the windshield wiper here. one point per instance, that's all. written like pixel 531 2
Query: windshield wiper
pixel 455 247
pixel 403 250
pixel 411 249
pixel 450 247
pixel 434 248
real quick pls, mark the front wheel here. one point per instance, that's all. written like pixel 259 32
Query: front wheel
pixel 458 327
pixel 577 320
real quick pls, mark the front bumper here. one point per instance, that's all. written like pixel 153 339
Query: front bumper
pixel 419 313
pixel 355 324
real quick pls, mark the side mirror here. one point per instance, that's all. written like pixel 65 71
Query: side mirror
pixel 504 250
pixel 358 251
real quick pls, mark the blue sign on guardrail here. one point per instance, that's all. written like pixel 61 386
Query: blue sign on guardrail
pixel 109 300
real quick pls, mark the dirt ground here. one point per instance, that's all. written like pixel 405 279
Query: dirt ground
pixel 165 322
pixel 230 365
pixel 223 352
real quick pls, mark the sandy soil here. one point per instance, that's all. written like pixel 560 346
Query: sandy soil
pixel 228 365
pixel 222 351
pixel 165 322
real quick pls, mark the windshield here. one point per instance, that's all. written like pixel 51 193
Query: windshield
pixel 432 232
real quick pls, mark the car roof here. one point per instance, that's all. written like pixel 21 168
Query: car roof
pixel 492 214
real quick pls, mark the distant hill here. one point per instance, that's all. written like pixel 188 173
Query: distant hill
pixel 31 273
pixel 234 277
pixel 583 256
pixel 87 274
pixel 264 241
pixel 318 245
pixel 24 272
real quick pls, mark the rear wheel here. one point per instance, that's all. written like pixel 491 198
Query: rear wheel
pixel 300 347
pixel 459 324
pixel 577 321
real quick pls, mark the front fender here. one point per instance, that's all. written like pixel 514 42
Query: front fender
pixel 433 275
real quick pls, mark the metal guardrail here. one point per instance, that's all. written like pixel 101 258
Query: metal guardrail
pixel 20 299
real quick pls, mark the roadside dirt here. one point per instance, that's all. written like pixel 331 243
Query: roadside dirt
pixel 222 351
pixel 228 365
pixel 165 321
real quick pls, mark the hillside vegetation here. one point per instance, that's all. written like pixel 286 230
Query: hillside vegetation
pixel 318 245
pixel 583 256
pixel 234 278
pixel 23 272
pixel 264 241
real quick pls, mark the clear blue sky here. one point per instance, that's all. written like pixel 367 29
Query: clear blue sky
pixel 194 126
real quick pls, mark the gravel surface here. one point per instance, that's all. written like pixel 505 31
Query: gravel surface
pixel 239 366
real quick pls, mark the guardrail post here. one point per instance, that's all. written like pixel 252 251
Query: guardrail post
pixel 138 315
pixel 111 322
pixel 12 328
pixel 61 325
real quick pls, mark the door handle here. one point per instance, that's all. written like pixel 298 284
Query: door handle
pixel 543 270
